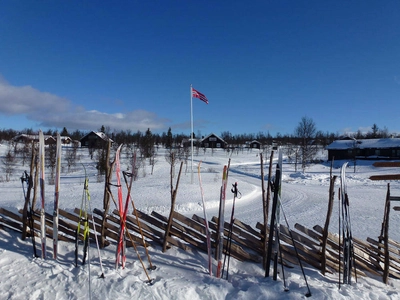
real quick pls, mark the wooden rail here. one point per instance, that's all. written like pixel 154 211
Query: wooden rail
pixel 247 242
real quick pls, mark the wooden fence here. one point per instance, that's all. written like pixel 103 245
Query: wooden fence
pixel 247 242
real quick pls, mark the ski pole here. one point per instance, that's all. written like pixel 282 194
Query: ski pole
pixel 208 234
pixel 149 281
pixel 126 174
pixel 26 178
pixel 308 294
pixel 94 228
pixel 235 192
pixel 286 289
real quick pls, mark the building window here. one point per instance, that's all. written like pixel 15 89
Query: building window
pixel 218 145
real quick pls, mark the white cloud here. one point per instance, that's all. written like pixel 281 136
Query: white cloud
pixel 52 111
pixel 28 101
pixel 93 119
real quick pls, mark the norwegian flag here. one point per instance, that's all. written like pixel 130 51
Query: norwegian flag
pixel 197 94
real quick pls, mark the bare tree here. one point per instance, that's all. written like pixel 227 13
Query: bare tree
pixel 71 156
pixel 8 163
pixel 186 154
pixel 293 153
pixel 51 161
pixel 305 133
pixel 25 151
pixel 152 160
pixel 136 163
pixel 171 156
pixel 355 147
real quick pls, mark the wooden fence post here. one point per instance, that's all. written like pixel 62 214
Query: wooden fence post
pixel 327 221
pixel 171 214
pixel 106 196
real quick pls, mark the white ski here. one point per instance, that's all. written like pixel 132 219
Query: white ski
pixel 208 234
pixel 56 196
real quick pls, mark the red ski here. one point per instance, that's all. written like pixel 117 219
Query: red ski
pixel 120 255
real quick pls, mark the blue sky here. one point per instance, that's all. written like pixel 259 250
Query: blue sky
pixel 263 65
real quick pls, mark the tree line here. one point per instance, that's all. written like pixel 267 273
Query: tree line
pixel 300 147
pixel 168 139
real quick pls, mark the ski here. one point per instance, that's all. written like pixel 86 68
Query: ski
pixel 85 221
pixel 273 227
pixel 129 197
pixel 208 234
pixel 347 241
pixel 221 220
pixel 83 217
pixel 150 281
pixel 277 218
pixel 123 216
pixel 120 256
pixel 42 195
pixel 93 223
pixel 27 180
pixel 56 196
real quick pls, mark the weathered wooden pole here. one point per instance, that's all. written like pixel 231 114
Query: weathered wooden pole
pixel 327 221
pixel 106 196
pixel 173 200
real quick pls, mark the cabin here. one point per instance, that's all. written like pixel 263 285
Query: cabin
pixel 187 142
pixel 213 141
pixel 255 144
pixel 349 148
pixel 94 139
pixel 48 139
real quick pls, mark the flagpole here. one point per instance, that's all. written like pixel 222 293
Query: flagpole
pixel 191 127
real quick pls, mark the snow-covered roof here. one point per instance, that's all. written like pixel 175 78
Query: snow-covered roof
pixel 100 134
pixel 213 134
pixel 365 144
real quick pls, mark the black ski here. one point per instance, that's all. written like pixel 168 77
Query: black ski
pixel 27 180
pixel 348 252
pixel 272 227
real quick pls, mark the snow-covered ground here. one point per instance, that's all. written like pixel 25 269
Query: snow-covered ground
pixel 183 275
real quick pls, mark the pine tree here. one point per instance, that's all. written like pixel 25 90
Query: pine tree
pixel 147 144
pixel 169 139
